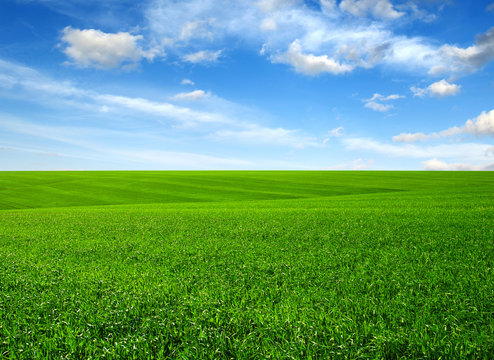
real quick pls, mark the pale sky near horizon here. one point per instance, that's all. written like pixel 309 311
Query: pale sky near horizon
pixel 264 84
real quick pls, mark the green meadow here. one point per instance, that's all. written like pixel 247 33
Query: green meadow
pixel 246 265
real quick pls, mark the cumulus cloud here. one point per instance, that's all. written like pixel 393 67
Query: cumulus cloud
pixel 472 57
pixel 92 47
pixel 435 164
pixel 438 89
pixel 482 125
pixel 192 96
pixel 310 64
pixel 376 102
pixel 443 88
pixel 314 40
pixel 203 56
pixel 382 9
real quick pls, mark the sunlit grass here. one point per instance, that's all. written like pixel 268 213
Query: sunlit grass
pixel 247 265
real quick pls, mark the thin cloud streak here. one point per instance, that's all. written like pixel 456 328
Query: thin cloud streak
pixel 482 125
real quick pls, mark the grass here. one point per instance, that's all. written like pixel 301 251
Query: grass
pixel 246 265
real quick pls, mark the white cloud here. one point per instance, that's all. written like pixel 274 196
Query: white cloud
pixel 360 164
pixel 382 9
pixel 259 134
pixel 90 139
pixel 269 24
pixel 378 107
pixel 375 102
pixel 198 29
pixel 192 96
pixel 187 82
pixel 472 57
pixel 274 5
pixel 416 13
pixel 310 64
pixel 410 138
pixel 438 89
pixel 328 5
pixel 435 164
pixel 183 114
pixel 38 87
pixel 315 41
pixel 490 7
pixel 181 160
pixel 235 121
pixel 203 56
pixel 336 132
pixel 92 47
pixel 443 88
pixel 469 151
pixel 380 97
pixel 482 125
pixel 254 134
pixel 357 164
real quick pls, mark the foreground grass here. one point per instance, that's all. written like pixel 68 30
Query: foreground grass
pixel 340 265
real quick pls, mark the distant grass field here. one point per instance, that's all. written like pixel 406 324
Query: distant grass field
pixel 246 265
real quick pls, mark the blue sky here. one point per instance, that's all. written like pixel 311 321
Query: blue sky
pixel 262 84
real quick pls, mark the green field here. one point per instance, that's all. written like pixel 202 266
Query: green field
pixel 246 265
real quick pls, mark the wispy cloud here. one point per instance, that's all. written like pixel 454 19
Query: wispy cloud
pixel 482 125
pixel 94 143
pixel 223 122
pixel 376 102
pixel 357 164
pixel 183 114
pixel 203 56
pixel 473 152
pixel 336 132
pixel 192 95
pixel 435 164
pixel 272 136
pixel 30 81
pixel 187 82
pixel 382 9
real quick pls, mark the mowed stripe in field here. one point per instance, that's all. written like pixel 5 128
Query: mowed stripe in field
pixel 20 190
